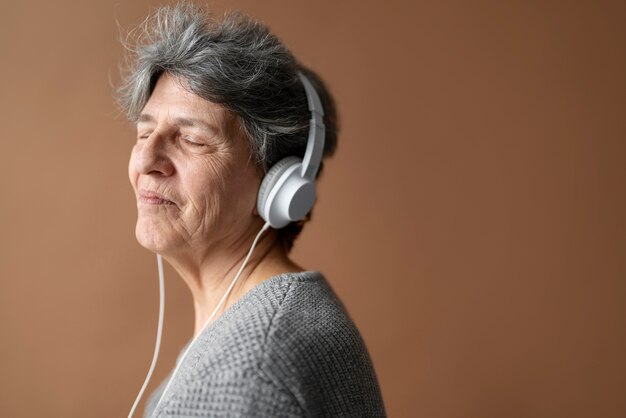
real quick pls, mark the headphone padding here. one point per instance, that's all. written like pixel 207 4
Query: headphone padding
pixel 270 179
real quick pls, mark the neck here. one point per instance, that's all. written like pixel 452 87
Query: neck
pixel 209 273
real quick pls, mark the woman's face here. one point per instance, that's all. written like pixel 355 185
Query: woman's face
pixel 191 171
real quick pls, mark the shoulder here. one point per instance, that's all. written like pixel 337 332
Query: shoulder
pixel 314 350
pixel 310 309
pixel 312 317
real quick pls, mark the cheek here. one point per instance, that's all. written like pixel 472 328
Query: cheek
pixel 206 187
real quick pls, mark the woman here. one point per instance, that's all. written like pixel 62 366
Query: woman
pixel 216 105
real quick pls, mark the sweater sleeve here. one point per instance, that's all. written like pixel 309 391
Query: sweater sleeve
pixel 315 352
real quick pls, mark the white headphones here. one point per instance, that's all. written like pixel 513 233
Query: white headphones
pixel 287 192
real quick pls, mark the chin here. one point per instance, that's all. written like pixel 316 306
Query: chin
pixel 154 238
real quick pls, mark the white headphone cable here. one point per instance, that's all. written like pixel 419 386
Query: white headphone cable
pixel 159 332
pixel 160 325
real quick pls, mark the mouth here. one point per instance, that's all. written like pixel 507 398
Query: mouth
pixel 148 197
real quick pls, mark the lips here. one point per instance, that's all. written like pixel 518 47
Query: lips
pixel 151 197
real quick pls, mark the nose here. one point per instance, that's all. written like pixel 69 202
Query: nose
pixel 150 155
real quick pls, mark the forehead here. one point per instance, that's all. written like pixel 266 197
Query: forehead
pixel 170 100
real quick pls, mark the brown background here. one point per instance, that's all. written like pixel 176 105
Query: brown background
pixel 472 220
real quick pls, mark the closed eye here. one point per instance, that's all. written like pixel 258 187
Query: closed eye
pixel 192 141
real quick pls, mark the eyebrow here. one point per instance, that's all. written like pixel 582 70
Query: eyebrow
pixel 181 121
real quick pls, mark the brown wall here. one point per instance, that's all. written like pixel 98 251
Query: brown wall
pixel 472 220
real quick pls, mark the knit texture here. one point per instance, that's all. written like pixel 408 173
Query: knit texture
pixel 287 348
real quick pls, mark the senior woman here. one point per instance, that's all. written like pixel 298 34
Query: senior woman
pixel 216 105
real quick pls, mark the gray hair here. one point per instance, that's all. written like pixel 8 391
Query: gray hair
pixel 237 63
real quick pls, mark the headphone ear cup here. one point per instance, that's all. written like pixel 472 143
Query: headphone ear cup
pixel 270 179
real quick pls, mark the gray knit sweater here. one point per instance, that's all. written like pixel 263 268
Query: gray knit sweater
pixel 287 348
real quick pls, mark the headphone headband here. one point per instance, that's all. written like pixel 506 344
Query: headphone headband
pixel 317 132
